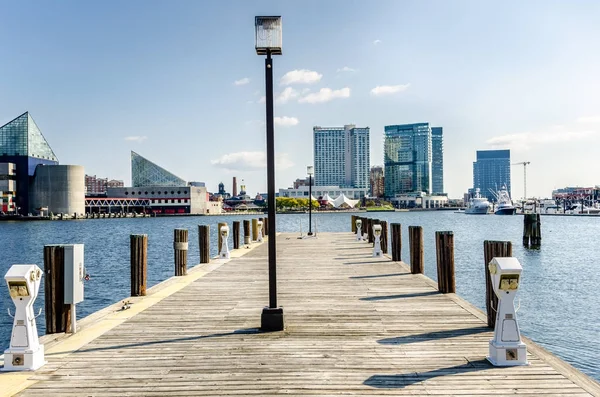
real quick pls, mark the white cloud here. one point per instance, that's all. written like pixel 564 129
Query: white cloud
pixel 376 42
pixel 286 121
pixel 523 140
pixel 325 95
pixel 136 138
pixel 389 89
pixel 589 119
pixel 286 95
pixel 243 81
pixel 251 161
pixel 346 69
pixel 300 76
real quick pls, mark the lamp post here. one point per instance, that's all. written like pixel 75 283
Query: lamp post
pixel 310 172
pixel 268 42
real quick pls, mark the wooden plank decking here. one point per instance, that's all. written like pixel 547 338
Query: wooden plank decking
pixel 355 325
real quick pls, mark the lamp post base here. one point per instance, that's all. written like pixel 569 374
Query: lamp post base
pixel 310 233
pixel 271 319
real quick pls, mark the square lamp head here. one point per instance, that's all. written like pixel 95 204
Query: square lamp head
pixel 259 223
pixel 23 282
pixel 358 223
pixel 505 274
pixel 224 231
pixel 268 35
pixel 310 170
pixel 377 230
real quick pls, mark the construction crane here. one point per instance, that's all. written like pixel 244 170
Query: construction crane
pixel 524 164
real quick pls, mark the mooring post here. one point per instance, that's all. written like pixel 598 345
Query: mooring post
pixel 415 240
pixel 255 229
pixel 180 247
pixel 491 250
pixel 236 235
pixel 58 315
pixel 246 232
pixel 396 242
pixel 219 237
pixel 444 244
pixel 204 243
pixel 138 254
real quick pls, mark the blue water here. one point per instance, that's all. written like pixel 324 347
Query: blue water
pixel 559 302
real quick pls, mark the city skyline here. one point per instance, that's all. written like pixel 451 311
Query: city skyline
pixel 112 82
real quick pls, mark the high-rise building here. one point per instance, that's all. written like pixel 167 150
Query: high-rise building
pixel 22 144
pixel 95 185
pixel 437 160
pixel 145 173
pixel 342 156
pixel 408 159
pixel 491 171
pixel 377 182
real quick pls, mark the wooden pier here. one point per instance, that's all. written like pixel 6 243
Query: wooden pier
pixel 355 325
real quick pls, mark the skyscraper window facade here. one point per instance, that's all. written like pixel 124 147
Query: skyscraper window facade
pixel 437 160
pixel 491 171
pixel 408 159
pixel 342 156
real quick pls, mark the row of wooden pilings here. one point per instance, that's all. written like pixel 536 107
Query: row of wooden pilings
pixel 58 314
pixel 444 243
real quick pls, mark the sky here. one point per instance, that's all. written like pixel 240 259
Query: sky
pixel 180 83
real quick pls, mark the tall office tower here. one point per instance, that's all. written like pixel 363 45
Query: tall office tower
pixel 234 190
pixel 491 171
pixel 407 159
pixel 377 182
pixel 437 160
pixel 342 156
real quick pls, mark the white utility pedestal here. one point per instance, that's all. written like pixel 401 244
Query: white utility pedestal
pixel 224 244
pixel 260 236
pixel 359 236
pixel 506 349
pixel 377 245
pixel 25 352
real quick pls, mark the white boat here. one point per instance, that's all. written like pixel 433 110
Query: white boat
pixel 579 209
pixel 505 205
pixel 478 205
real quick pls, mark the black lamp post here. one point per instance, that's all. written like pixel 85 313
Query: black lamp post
pixel 310 172
pixel 268 42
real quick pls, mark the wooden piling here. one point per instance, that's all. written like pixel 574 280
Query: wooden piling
pixel 254 229
pixel 353 223
pixel 493 249
pixel 219 237
pixel 138 254
pixel 415 240
pixel 58 315
pixel 204 243
pixel 396 242
pixel 444 244
pixel 532 230
pixel 265 226
pixel 180 247
pixel 236 235
pixel 246 232
pixel 264 222
pixel 384 236
pixel 370 223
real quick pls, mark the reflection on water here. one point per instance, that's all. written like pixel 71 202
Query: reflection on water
pixel 559 305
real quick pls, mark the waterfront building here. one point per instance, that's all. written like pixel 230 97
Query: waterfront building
pixel 146 173
pixel 342 156
pixel 437 160
pixel 322 191
pixel 376 181
pixel 95 185
pixel 58 189
pixel 23 145
pixel 419 200
pixel 408 159
pixel 491 171
pixel 8 186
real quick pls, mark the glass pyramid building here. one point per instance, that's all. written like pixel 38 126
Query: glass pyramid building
pixel 145 173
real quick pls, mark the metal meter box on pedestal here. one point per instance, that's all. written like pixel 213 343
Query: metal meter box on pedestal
pixel 74 273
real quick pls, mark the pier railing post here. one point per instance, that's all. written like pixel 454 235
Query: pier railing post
pixel 246 232
pixel 180 246
pixel 396 242
pixel 219 237
pixel 236 235
pixel 58 315
pixel 204 243
pixel 444 244
pixel 415 240
pixel 138 249
pixel 493 249
pixel 255 229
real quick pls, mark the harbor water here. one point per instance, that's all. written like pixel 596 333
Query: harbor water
pixel 559 302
